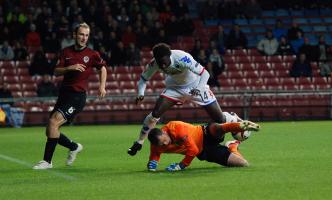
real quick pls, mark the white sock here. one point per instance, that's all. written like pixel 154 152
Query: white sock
pixel 229 117
pixel 148 124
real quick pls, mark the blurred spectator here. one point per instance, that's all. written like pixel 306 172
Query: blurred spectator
pixel 279 30
pixel 143 38
pixel 20 52
pixel 52 44
pixel 67 41
pixel 180 8
pixel 123 18
pixel 15 27
pixel 172 28
pixel 220 37
pixel 237 9
pixel 269 45
pixel 63 27
pixel 112 41
pixel 293 32
pixel 40 65
pixel 166 13
pixel 5 35
pixel 311 51
pixel 284 48
pixel 48 29
pixel 161 37
pixel 209 10
pixel 186 25
pixel 236 39
pixel 46 87
pixel 323 53
pixel 297 43
pixel 133 55
pixel 118 55
pixel 6 51
pixel 325 68
pixel 202 58
pixel 32 38
pixel 215 67
pixel 128 36
pixel 5 93
pixel 301 67
pixel 99 40
pixel 196 49
pixel 252 9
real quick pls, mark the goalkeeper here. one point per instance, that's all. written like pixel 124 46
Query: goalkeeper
pixel 193 141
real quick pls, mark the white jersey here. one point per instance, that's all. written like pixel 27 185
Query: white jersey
pixel 183 71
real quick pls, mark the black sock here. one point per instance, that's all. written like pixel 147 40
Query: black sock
pixel 49 149
pixel 66 142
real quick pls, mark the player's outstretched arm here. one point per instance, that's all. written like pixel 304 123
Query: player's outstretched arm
pixel 102 81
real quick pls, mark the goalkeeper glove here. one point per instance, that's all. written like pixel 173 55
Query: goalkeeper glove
pixel 152 165
pixel 175 167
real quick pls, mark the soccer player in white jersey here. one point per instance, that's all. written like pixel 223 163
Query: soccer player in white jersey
pixel 186 80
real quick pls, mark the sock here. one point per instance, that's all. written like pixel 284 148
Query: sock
pixel 229 117
pixel 234 148
pixel 231 127
pixel 149 123
pixel 66 142
pixel 49 149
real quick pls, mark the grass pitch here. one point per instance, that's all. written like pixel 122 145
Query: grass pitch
pixel 289 160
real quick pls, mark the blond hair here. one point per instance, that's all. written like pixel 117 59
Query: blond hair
pixel 83 25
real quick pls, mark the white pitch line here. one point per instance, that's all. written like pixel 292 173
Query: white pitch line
pixel 26 164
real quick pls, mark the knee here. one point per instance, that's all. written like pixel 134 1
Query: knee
pixel 237 161
pixel 52 127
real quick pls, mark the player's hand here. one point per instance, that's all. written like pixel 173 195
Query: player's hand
pixel 175 167
pixel 195 92
pixel 102 92
pixel 139 99
pixel 77 67
pixel 152 165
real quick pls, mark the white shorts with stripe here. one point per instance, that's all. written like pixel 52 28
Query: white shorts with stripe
pixel 182 95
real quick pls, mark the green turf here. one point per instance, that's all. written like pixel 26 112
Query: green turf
pixel 289 160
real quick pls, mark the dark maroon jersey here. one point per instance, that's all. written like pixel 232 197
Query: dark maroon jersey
pixel 76 80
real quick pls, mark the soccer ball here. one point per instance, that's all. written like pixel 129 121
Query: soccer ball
pixel 241 136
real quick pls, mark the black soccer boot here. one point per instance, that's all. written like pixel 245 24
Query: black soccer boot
pixel 133 149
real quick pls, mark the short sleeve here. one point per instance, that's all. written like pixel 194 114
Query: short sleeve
pixel 99 62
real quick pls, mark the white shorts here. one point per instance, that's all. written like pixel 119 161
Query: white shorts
pixel 182 95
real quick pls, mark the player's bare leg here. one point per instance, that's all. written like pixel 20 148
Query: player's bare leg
pixel 215 112
pixel 235 159
pixel 150 121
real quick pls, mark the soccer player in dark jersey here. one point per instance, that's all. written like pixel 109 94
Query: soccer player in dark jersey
pixel 75 64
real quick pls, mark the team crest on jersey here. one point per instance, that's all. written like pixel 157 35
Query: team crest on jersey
pixel 86 59
pixel 185 59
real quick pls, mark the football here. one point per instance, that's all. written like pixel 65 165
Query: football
pixel 241 136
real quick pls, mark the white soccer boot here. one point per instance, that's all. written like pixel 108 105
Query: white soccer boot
pixel 72 154
pixel 43 165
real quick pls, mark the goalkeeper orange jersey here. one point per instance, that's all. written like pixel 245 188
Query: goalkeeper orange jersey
pixel 186 139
